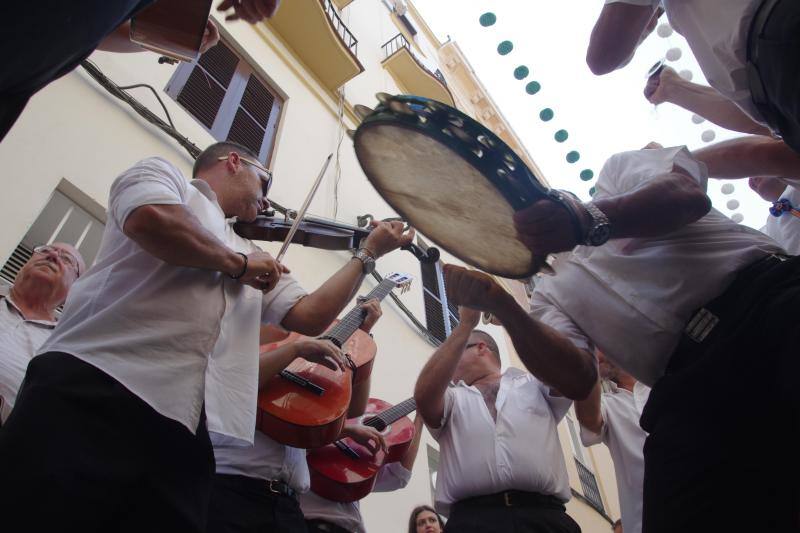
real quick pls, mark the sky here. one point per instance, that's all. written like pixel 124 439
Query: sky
pixel 603 115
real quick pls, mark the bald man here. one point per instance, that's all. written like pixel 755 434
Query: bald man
pixel 28 312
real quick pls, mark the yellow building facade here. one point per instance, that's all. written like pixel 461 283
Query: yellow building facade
pixel 286 88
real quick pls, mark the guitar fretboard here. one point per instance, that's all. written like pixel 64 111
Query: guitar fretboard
pixel 393 414
pixel 353 319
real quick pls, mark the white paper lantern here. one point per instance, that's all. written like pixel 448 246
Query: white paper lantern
pixel 674 54
pixel 727 188
pixel 664 30
pixel 737 217
pixel 708 136
pixel 697 119
pixel 733 204
pixel 686 74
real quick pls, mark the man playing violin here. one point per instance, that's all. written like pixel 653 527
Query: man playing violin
pixel 688 302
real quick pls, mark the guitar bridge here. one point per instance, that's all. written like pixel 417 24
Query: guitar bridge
pixel 302 382
pixel 347 450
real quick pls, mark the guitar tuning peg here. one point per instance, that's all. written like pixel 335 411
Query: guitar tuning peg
pixel 362 111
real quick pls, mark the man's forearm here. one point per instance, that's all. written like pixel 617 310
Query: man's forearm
pixel 661 206
pixel 750 156
pixel 547 354
pixel 119 41
pixel 173 234
pixel 616 35
pixel 711 105
pixel 588 410
pixel 436 375
pixel 411 453
pixel 272 362
pixel 316 311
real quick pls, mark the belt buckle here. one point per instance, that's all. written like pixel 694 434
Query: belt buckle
pixel 507 499
pixel 271 488
pixel 701 325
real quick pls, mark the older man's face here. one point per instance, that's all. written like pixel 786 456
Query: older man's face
pixel 57 265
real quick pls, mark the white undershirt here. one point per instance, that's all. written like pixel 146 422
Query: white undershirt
pixel 621 410
pixel 521 450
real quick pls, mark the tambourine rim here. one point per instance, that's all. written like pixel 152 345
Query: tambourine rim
pixel 375 121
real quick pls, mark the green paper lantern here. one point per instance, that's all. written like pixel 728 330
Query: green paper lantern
pixel 521 72
pixel 561 136
pixel 573 157
pixel 533 87
pixel 586 174
pixel 487 19
pixel 505 48
pixel 546 114
pixel 592 191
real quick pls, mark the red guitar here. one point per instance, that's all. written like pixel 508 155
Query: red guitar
pixel 345 471
pixel 305 405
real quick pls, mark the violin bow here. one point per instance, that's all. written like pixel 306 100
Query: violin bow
pixel 301 213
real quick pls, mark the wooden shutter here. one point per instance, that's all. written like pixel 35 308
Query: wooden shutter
pixel 203 92
pixel 252 116
pixel 19 257
pixel 434 312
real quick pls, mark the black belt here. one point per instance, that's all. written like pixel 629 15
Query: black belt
pixel 316 524
pixel 258 485
pixel 512 498
pixel 757 91
pixel 720 310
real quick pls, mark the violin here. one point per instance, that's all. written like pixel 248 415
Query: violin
pixel 317 233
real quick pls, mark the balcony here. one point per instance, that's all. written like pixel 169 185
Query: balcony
pixel 319 38
pixel 411 74
pixel 341 4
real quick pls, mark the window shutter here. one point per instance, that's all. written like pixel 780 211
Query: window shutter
pixel 19 257
pixel 434 314
pixel 252 116
pixel 205 89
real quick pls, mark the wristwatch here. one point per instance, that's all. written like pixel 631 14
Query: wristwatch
pixel 367 261
pixel 600 230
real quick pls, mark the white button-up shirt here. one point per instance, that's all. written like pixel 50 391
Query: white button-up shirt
pixel 520 450
pixel 19 341
pixel 150 325
pixel 392 476
pixel 633 297
pixel 621 410
pixel 716 31
pixel 785 229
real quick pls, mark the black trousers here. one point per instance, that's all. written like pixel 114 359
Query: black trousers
pixel 322 526
pixel 779 67
pixel 523 519
pixel 722 448
pixel 43 40
pixel 81 453
pixel 241 504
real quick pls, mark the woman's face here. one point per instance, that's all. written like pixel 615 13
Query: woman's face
pixel 428 523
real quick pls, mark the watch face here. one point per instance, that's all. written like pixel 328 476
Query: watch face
pixel 599 234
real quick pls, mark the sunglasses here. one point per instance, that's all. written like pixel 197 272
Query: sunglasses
pixel 64 255
pixel 263 172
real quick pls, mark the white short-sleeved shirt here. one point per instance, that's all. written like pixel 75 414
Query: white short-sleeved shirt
pixel 19 340
pixel 392 476
pixel 519 451
pixel 621 410
pixel 785 229
pixel 150 325
pixel 633 297
pixel 716 31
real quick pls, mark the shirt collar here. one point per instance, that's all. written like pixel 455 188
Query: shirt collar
pixel 5 294
pixel 511 372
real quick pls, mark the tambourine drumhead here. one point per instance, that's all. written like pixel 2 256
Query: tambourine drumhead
pixel 445 197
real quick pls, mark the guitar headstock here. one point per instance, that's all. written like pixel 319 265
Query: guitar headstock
pixel 401 280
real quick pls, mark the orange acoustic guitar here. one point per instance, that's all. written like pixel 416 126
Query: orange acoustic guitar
pixel 345 471
pixel 173 28
pixel 305 405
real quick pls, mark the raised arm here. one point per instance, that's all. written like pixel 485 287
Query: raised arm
pixel 749 156
pixel 655 208
pixel 616 35
pixel 438 371
pixel 360 396
pixel 588 410
pixel 315 312
pixel 410 456
pixel 702 100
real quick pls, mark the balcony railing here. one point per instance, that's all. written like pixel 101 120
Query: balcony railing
pixel 348 38
pixel 589 483
pixel 399 42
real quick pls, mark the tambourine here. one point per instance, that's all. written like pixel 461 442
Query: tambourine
pixel 453 180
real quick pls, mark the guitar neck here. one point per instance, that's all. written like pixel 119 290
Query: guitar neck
pixel 353 319
pixel 393 414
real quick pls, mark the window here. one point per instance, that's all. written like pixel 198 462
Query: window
pixel 61 220
pixel 588 480
pixel 224 93
pixel 440 316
